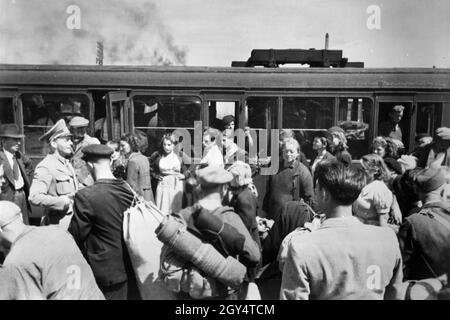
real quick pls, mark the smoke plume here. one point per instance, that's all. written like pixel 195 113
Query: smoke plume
pixel 42 32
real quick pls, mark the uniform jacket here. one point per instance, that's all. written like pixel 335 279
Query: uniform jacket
pixel 7 192
pixel 80 166
pixel 343 259
pixel 48 260
pixel 138 175
pixel 54 185
pixel 425 242
pixel 97 227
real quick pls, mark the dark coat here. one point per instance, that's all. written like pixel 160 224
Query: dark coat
pixel 138 176
pixel 393 165
pixel 25 167
pixel 290 183
pixel 246 206
pixel 97 227
pixel 295 214
pixel 425 242
pixel 343 156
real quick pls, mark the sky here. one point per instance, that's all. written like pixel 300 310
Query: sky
pixel 388 33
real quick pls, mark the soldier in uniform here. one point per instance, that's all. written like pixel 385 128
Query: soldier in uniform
pixel 78 127
pixel 425 236
pixel 55 184
pixel 216 224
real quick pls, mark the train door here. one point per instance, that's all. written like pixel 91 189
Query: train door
pixel 114 120
pixel 396 119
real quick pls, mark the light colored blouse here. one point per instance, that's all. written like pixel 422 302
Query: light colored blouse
pixel 213 157
pixel 375 200
pixel 170 164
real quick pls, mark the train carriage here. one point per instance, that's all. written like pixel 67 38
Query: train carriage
pixel 120 99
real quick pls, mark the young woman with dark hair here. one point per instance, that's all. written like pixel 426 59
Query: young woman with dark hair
pixel 138 166
pixel 168 170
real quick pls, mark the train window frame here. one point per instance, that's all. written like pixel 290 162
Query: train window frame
pixel 170 93
pixel 371 123
pixel 14 106
pixel 392 97
pixel 85 93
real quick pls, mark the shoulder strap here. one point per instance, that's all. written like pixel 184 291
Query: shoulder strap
pixel 437 216
pixel 443 221
pixel 136 198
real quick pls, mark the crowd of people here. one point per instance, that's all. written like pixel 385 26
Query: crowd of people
pixel 327 228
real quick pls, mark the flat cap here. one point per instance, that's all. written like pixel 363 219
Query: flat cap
pixel 213 175
pixel 97 151
pixel 57 131
pixel 432 178
pixel 398 108
pixel 78 122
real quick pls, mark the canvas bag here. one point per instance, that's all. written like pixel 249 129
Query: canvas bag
pixel 144 248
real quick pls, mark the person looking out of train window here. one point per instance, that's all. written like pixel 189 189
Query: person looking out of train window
pixel 168 169
pixel 212 156
pixel 138 167
pixel 338 145
pixel 228 126
pixel 78 127
pixel 387 149
pixel 376 204
pixel 228 131
pixel 391 128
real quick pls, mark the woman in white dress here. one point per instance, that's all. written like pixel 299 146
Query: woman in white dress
pixel 168 166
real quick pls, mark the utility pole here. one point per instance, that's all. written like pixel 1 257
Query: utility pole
pixel 99 59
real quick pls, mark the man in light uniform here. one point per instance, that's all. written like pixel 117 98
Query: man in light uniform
pixel 55 184
pixel 78 128
pixel 42 262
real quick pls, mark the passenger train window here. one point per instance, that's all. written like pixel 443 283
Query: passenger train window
pixel 428 119
pixel 220 109
pixel 6 110
pixel 394 121
pixel 42 111
pixel 307 116
pixel 354 117
pixel 262 115
pixel 157 115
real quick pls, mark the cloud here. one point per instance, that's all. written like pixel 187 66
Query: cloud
pixel 132 33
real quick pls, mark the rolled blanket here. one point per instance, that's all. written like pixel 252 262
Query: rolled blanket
pixel 173 233
pixel 223 236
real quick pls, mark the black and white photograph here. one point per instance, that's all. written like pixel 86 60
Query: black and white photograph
pixel 224 155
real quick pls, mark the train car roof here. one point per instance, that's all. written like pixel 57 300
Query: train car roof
pixel 146 77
